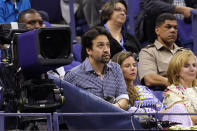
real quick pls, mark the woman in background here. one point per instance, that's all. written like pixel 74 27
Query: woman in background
pixel 181 94
pixel 140 97
pixel 113 18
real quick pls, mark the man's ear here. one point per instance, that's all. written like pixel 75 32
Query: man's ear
pixel 157 29
pixel 89 51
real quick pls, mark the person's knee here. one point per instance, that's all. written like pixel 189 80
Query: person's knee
pixel 89 2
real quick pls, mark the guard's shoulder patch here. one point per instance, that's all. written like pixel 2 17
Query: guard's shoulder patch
pixel 183 48
pixel 149 46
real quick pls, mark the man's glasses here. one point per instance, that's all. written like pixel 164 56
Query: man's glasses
pixel 120 10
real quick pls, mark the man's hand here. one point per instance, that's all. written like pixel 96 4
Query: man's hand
pixel 183 10
pixel 186 12
pixel 122 103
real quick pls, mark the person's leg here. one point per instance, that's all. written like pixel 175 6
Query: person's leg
pixel 64 5
pixel 184 119
pixel 91 10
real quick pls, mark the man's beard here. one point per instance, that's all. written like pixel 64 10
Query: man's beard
pixel 105 60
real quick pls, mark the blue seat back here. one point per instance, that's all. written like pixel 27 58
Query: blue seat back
pixel 133 9
pixel 77 57
pixel 70 66
pixel 52 7
pixel 47 24
pixel 194 31
pixel 188 33
pixel 185 34
pixel 159 95
pixel 77 52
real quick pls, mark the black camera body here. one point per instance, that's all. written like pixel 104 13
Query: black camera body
pixel 30 55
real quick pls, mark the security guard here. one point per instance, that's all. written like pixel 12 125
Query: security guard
pixel 154 58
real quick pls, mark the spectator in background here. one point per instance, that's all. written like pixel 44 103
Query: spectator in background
pixel 150 9
pixel 180 95
pixel 154 58
pixel 139 96
pixel 97 74
pixel 113 17
pixel 88 9
pixel 10 9
pixel 31 18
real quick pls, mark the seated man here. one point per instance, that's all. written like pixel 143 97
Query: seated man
pixel 10 9
pixel 33 20
pixel 154 58
pixel 97 74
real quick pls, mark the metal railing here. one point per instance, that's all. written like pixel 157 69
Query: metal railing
pixel 112 114
pixel 48 115
pixel 53 119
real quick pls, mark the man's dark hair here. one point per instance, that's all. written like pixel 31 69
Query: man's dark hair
pixel 90 35
pixel 23 13
pixel 164 16
pixel 108 9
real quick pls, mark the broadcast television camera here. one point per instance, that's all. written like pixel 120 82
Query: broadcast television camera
pixel 23 72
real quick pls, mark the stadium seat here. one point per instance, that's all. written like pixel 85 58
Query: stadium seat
pixel 194 31
pixel 77 52
pixel 133 9
pixel 185 34
pixel 47 24
pixel 159 95
pixel 81 27
pixel 136 7
pixel 76 57
pixel 188 34
pixel 70 66
pixel 52 7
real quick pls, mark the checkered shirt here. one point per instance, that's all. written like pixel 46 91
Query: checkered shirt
pixel 113 85
pixel 179 3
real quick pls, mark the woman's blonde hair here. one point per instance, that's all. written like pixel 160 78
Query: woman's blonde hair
pixel 132 91
pixel 177 62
